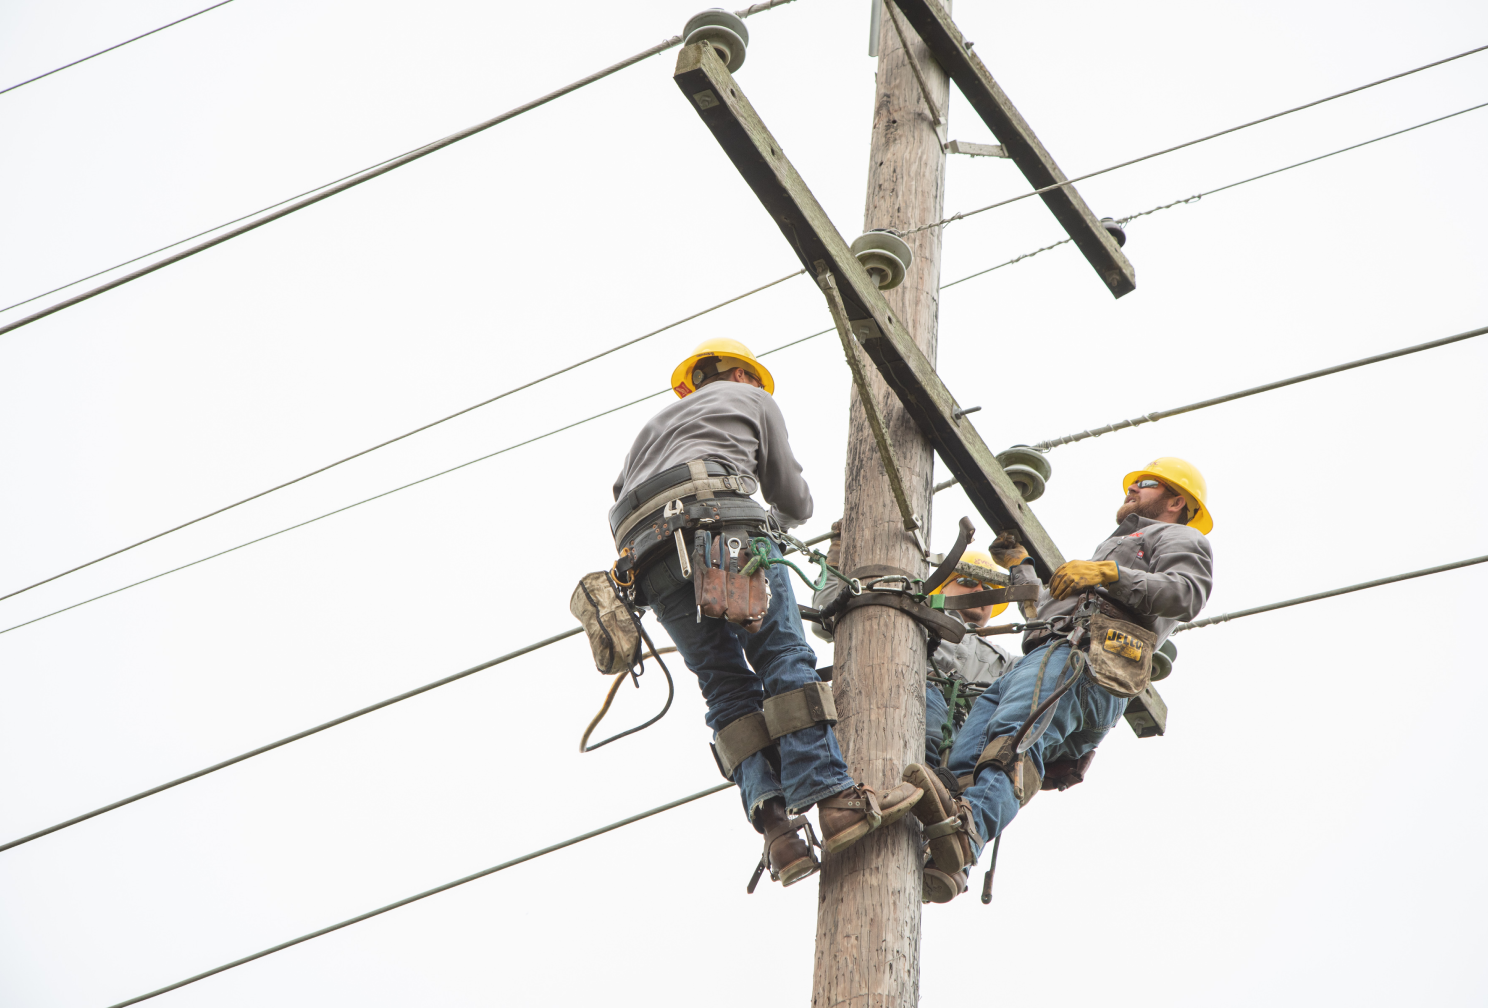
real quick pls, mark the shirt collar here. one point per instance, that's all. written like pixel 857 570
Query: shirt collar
pixel 1131 523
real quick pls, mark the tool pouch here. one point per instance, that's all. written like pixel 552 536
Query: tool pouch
pixel 1120 655
pixel 612 633
pixel 729 595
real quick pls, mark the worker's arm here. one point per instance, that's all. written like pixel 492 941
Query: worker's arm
pixel 781 482
pixel 1178 579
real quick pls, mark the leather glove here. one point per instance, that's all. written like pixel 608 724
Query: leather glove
pixel 1074 575
pixel 1006 552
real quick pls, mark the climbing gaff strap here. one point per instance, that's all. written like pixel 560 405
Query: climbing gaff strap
pixel 851 351
pixel 789 712
pixel 988 596
pixel 584 746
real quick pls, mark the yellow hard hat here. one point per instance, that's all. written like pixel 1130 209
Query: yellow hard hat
pixel 731 354
pixel 979 559
pixel 1183 477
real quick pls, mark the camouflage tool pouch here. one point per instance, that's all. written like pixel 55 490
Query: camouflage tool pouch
pixel 612 633
pixel 1120 655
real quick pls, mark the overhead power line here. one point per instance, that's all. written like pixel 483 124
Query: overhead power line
pixel 1328 594
pixel 400 437
pixel 694 797
pixel 380 169
pixel 428 892
pixel 292 738
pixel 1189 143
pixel 1231 397
pixel 111 48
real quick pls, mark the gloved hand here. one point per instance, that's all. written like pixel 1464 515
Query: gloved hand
pixel 1006 551
pixel 1074 575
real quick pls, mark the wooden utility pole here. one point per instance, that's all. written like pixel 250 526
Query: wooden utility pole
pixel 868 918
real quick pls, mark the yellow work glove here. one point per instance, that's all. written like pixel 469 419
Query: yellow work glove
pixel 1076 574
pixel 1005 550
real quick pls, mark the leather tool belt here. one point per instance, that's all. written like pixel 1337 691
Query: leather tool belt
pixel 721 590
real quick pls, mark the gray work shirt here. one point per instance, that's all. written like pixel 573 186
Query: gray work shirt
pixel 1165 573
pixel 732 422
pixel 974 660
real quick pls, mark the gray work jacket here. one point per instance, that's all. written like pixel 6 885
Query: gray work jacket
pixel 1165 573
pixel 974 660
pixel 732 422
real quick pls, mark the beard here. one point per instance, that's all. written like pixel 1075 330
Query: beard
pixel 1152 509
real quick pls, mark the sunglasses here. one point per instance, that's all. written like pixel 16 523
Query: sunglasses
pixel 1144 484
pixel 966 582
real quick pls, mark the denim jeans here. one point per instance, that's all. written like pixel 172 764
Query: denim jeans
pixel 778 660
pixel 1081 719
pixel 935 715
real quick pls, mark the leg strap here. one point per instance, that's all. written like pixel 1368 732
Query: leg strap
pixel 800 708
pixel 1020 770
pixel 738 740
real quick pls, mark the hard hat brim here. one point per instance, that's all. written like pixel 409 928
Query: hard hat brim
pixel 682 375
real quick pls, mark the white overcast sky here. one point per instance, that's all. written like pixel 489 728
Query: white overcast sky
pixel 1309 830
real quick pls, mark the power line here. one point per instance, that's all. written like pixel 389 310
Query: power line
pixel 429 892
pixel 368 174
pixel 291 738
pixel 937 488
pixel 1328 594
pixel 111 48
pixel 400 437
pixel 378 496
pixel 1231 397
pixel 1189 143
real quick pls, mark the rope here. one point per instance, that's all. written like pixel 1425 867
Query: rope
pixel 292 738
pixel 369 173
pixel 400 437
pixel 584 746
pixel 111 48
pixel 1189 143
pixel 1327 594
pixel 368 500
pixel 427 892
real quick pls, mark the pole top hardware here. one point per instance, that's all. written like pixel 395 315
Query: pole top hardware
pixel 957 414
pixel 1116 230
pixel 885 256
pixel 722 30
pixel 977 150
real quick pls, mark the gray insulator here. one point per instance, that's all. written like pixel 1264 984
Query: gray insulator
pixel 1029 483
pixel 724 31
pixel 1163 659
pixel 1116 230
pixel 886 254
pixel 1024 455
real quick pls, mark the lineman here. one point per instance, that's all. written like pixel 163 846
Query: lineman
pixel 1155 569
pixel 975 661
pixel 689 475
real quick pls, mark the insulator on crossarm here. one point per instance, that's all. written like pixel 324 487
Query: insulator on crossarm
pixel 724 31
pixel 885 256
pixel 1027 468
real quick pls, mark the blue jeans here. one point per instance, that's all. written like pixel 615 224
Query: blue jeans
pixel 935 715
pixel 778 660
pixel 1081 719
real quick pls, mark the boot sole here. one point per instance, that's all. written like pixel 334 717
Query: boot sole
pixel 938 887
pixel 801 868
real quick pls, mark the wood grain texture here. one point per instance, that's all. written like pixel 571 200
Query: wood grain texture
pixel 933 23
pixel 760 159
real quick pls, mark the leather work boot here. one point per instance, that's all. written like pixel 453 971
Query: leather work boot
pixel 787 852
pixel 946 822
pixel 851 815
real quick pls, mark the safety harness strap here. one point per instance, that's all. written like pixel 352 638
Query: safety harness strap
pixel 701 488
pixel 938 623
pixel 991 596
pixel 798 709
pixel 738 740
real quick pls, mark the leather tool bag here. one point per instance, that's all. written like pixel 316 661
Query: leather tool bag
pixel 1120 655
pixel 727 594
pixel 613 636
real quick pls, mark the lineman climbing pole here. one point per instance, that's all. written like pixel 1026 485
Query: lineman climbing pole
pixel 869 917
